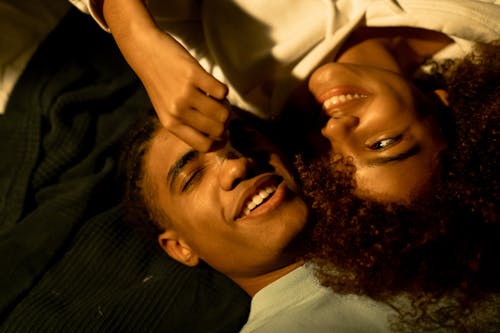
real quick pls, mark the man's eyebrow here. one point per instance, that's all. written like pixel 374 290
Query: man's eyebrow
pixel 175 169
pixel 384 160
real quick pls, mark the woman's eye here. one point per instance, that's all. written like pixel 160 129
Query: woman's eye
pixel 384 143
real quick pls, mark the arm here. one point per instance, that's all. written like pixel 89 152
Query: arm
pixel 186 98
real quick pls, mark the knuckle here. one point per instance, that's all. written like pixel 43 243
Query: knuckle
pixel 184 94
pixel 190 73
pixel 169 122
pixel 176 110
pixel 223 91
pixel 220 91
pixel 217 130
pixel 223 115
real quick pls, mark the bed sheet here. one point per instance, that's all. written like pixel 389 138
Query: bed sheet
pixel 67 260
pixel 23 26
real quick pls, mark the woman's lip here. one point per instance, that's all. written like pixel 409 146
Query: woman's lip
pixel 333 100
pixel 335 104
pixel 338 91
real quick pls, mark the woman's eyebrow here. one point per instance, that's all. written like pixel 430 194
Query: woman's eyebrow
pixel 177 167
pixel 384 160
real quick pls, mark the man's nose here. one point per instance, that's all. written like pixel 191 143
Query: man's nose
pixel 340 126
pixel 234 168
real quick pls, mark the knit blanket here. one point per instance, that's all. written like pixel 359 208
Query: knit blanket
pixel 67 260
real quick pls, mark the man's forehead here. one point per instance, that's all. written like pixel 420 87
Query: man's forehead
pixel 167 156
pixel 163 135
pixel 166 141
pixel 165 148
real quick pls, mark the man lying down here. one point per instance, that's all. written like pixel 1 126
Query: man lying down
pixel 238 208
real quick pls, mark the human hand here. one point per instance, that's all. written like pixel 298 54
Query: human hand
pixel 188 100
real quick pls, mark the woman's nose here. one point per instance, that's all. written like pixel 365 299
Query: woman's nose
pixel 339 127
pixel 234 168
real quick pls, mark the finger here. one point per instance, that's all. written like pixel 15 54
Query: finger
pixel 193 98
pixel 218 144
pixel 202 123
pixel 210 107
pixel 193 138
pixel 211 86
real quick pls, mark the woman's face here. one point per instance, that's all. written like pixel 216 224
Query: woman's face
pixel 375 117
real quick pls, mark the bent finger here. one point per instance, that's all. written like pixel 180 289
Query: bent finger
pixel 210 107
pixel 193 138
pixel 200 122
pixel 208 84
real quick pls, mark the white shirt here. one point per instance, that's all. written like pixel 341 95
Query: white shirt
pixel 297 303
pixel 262 48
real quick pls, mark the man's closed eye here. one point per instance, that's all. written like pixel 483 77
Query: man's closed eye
pixel 192 179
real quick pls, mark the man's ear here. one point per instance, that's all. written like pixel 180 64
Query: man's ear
pixel 442 95
pixel 177 248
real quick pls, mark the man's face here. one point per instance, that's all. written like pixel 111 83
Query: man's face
pixel 238 210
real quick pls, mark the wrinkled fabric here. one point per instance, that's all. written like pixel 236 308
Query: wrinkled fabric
pixel 68 262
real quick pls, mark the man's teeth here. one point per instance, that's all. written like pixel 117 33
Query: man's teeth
pixel 338 99
pixel 258 199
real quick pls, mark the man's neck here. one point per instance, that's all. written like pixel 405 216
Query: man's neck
pixel 254 284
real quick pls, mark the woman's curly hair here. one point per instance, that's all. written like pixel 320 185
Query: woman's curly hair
pixel 439 252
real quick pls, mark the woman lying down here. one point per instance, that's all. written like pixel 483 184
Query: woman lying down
pixel 405 190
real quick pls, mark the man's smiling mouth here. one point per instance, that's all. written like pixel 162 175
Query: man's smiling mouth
pixel 258 199
pixel 266 194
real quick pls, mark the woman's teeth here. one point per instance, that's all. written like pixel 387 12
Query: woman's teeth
pixel 339 99
pixel 258 199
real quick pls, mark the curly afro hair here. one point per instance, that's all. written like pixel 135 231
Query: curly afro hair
pixel 440 251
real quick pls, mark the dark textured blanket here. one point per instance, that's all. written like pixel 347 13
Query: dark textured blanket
pixel 68 262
